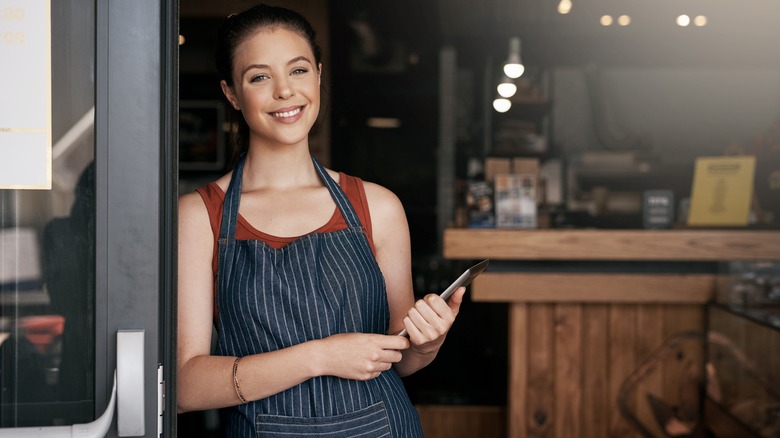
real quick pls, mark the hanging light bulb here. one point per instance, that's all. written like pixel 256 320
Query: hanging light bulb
pixel 513 67
pixel 506 88
pixel 564 7
pixel 502 105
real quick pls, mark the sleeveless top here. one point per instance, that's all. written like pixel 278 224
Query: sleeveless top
pixel 315 286
pixel 214 198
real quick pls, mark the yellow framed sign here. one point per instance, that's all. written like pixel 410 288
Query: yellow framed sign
pixel 25 113
pixel 722 191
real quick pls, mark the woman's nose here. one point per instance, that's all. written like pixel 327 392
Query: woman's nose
pixel 283 89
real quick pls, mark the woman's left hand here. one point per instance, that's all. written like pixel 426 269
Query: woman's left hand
pixel 428 322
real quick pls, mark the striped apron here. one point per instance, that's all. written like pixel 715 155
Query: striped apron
pixel 316 286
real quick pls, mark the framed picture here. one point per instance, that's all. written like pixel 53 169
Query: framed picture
pixel 201 135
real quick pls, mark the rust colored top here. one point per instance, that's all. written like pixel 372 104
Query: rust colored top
pixel 214 198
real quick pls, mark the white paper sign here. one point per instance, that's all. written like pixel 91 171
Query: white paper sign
pixel 25 105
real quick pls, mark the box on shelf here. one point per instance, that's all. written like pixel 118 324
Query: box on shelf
pixel 495 165
pixel 479 204
pixel 515 198
pixel 658 208
pixel 526 166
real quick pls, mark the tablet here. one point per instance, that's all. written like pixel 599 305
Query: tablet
pixel 464 280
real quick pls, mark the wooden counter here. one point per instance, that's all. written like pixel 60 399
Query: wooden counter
pixel 634 245
pixel 576 338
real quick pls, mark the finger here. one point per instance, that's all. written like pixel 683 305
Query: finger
pixel 392 356
pixel 425 306
pixel 438 313
pixel 428 322
pixel 415 335
pixel 456 300
pixel 421 316
pixel 444 309
pixel 413 319
pixel 390 342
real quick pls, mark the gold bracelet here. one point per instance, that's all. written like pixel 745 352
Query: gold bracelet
pixel 235 381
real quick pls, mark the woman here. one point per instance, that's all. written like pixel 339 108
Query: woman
pixel 303 310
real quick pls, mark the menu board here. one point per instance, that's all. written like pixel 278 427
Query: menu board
pixel 25 112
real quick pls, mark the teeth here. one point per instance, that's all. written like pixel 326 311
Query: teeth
pixel 287 113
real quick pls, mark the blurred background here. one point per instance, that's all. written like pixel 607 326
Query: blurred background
pixel 616 98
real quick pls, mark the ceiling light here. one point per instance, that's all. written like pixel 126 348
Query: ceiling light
pixel 514 66
pixel 624 20
pixel 564 7
pixel 700 20
pixel 506 88
pixel 683 20
pixel 606 20
pixel 502 105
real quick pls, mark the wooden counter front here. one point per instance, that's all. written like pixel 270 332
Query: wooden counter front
pixel 576 338
pixel 534 287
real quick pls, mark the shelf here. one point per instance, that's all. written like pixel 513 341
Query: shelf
pixel 615 245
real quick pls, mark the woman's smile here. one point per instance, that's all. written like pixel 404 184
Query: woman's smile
pixel 288 114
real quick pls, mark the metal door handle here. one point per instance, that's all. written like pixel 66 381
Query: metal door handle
pixel 130 383
pixel 128 387
pixel 95 429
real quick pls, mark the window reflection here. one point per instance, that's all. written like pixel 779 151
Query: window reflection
pixel 47 249
pixel 47 299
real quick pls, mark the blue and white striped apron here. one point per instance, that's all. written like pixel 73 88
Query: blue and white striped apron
pixel 316 286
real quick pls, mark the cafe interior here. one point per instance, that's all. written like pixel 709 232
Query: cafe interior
pixel 600 315
pixel 617 162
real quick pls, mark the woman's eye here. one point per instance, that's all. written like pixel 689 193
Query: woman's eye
pixel 258 78
pixel 299 71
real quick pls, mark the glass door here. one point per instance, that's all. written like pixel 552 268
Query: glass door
pixel 87 205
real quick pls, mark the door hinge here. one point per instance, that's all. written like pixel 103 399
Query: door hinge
pixel 160 399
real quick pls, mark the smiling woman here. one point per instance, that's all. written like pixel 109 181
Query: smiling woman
pixel 303 270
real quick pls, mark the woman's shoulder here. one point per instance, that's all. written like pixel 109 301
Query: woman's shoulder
pixel 380 195
pixel 204 197
pixel 385 206
pixel 192 205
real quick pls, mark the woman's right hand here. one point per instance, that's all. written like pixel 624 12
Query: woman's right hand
pixel 359 356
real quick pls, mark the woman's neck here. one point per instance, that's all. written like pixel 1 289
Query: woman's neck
pixel 280 168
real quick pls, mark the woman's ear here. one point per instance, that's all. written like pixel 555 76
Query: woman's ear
pixel 319 74
pixel 228 92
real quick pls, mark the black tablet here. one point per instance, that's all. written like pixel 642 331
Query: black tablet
pixel 464 280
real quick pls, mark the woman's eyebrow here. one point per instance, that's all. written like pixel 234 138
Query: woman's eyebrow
pixel 299 58
pixel 292 61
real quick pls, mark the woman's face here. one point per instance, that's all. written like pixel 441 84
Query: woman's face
pixel 276 86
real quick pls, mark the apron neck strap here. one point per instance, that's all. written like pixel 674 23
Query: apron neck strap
pixel 350 216
pixel 232 199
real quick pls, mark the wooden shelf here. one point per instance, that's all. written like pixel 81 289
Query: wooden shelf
pixel 615 245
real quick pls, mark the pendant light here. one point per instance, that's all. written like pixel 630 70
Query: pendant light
pixel 506 88
pixel 513 67
pixel 501 105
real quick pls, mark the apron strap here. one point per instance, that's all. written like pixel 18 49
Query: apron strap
pixel 350 216
pixel 232 199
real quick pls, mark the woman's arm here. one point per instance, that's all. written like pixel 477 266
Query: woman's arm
pixel 206 381
pixel 429 319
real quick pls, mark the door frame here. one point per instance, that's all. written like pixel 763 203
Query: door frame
pixel 136 126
